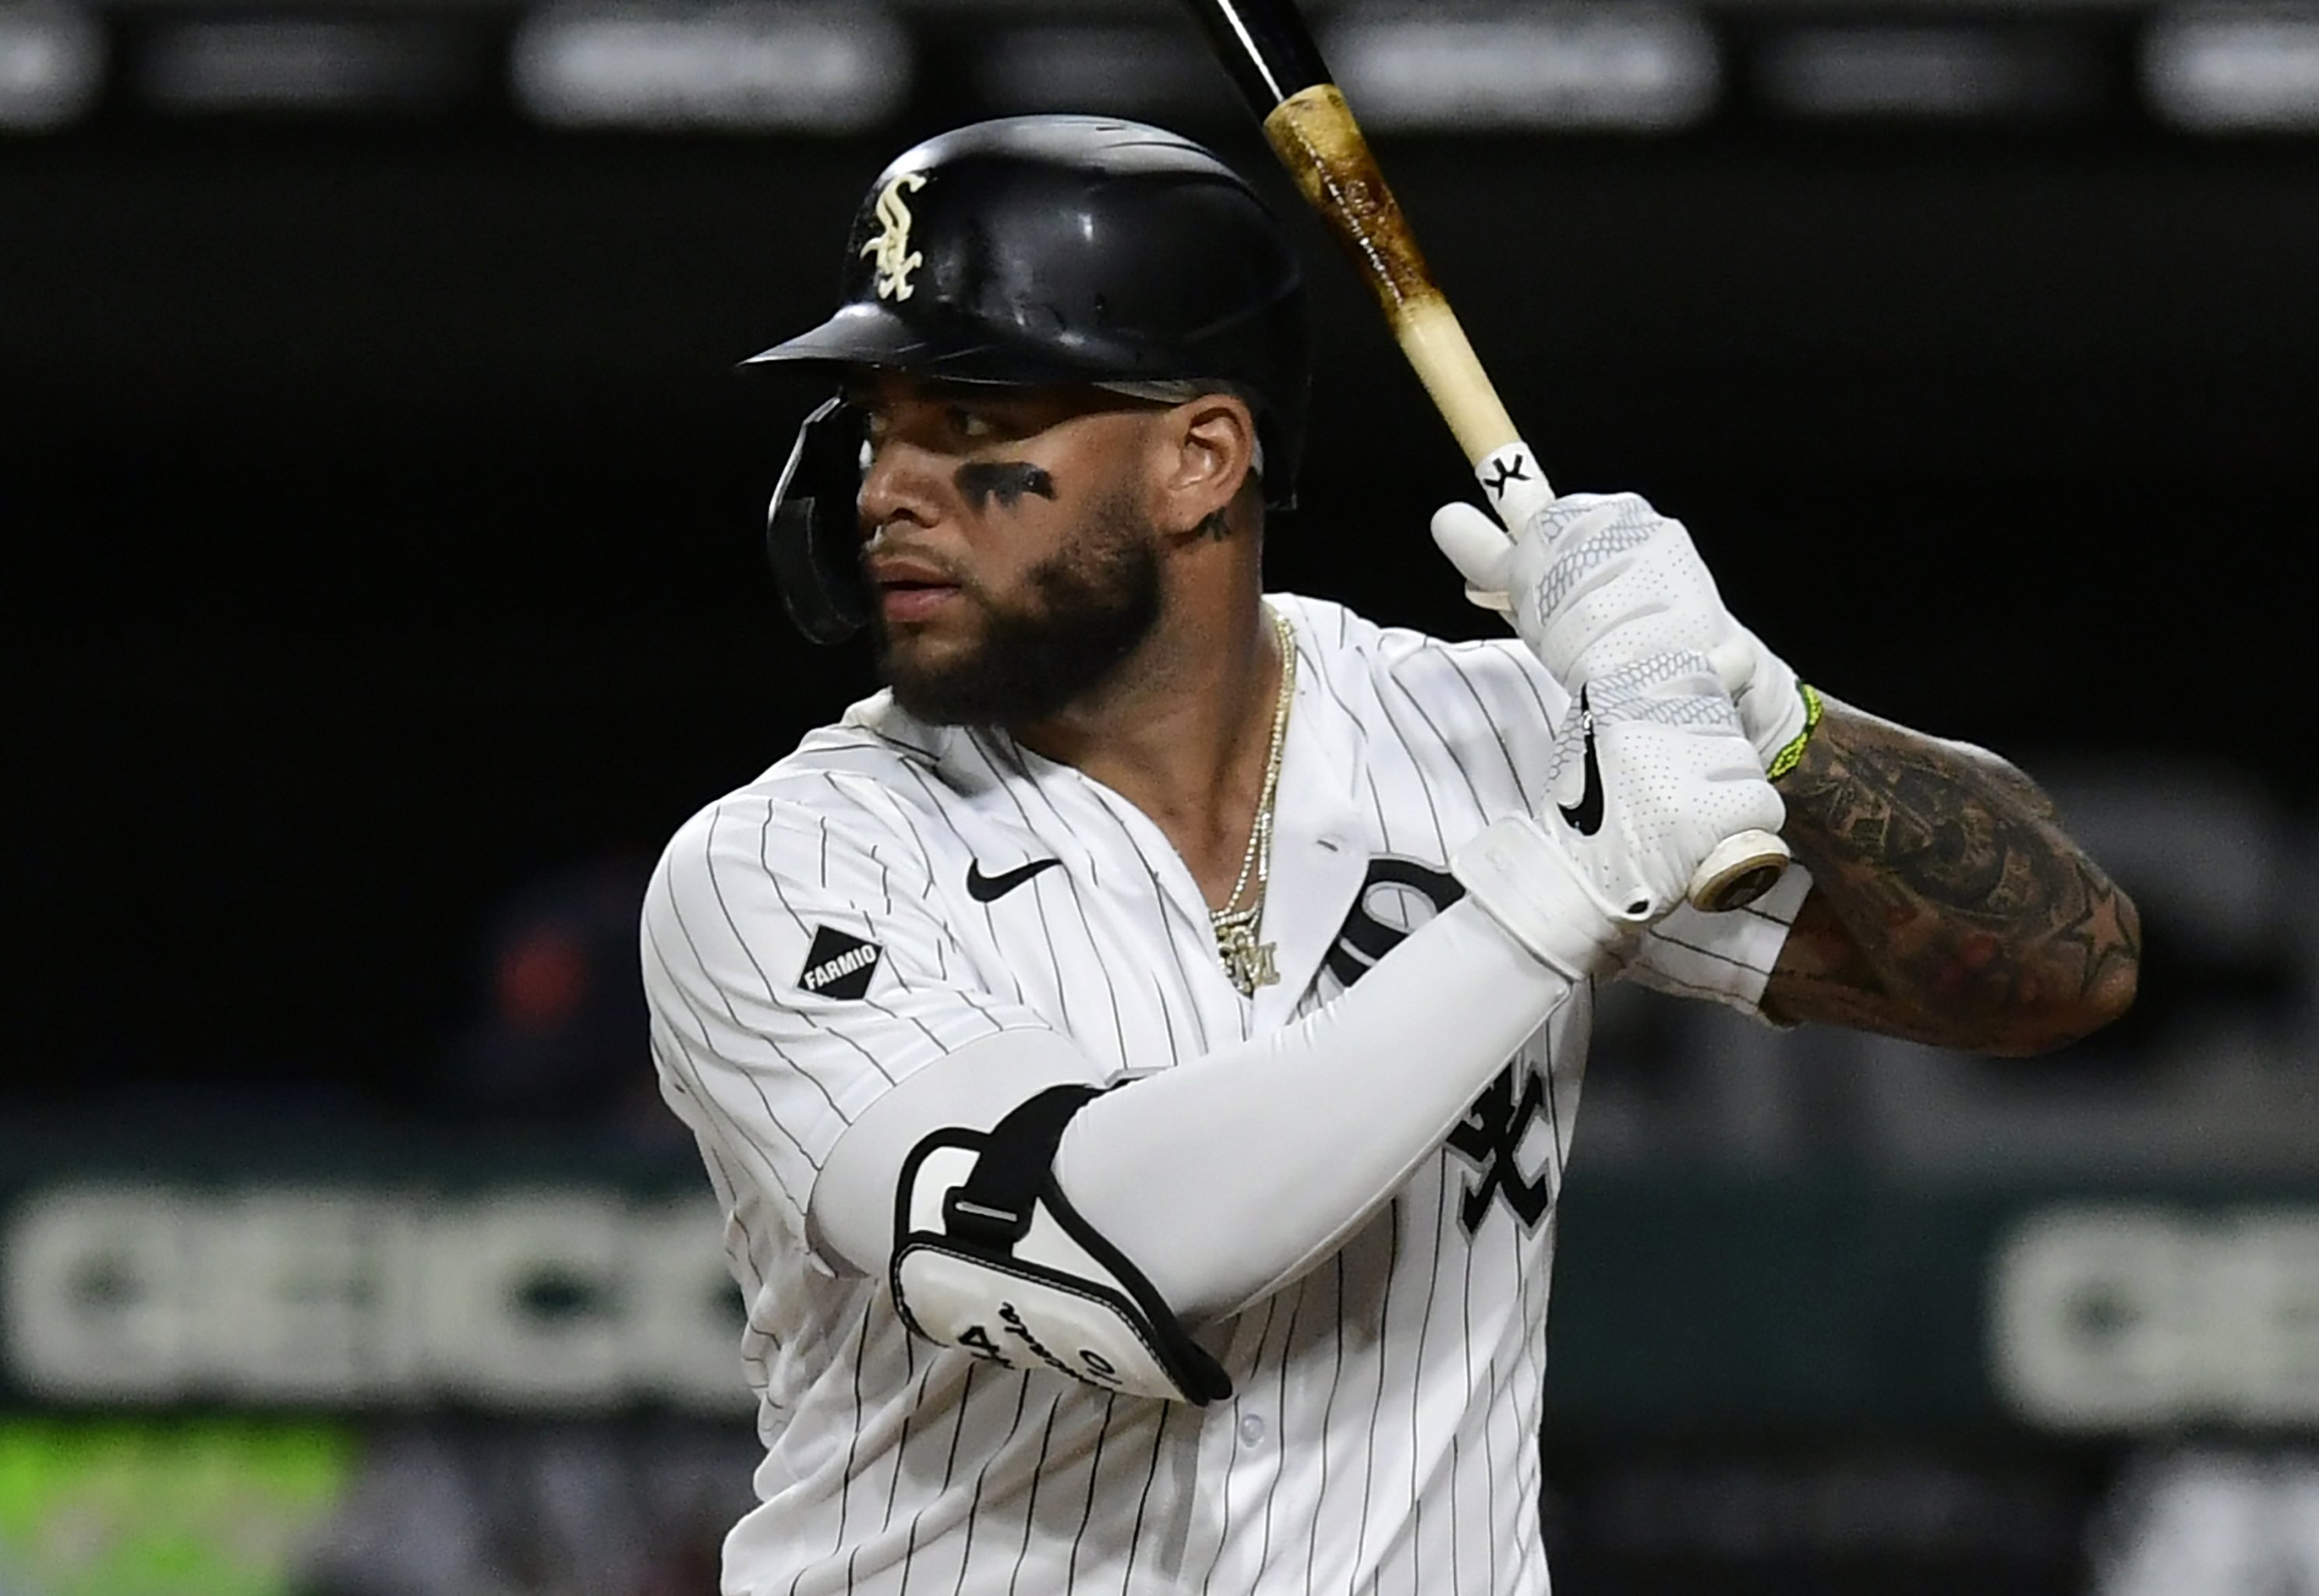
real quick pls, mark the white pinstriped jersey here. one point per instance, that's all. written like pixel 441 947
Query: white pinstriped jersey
pixel 810 939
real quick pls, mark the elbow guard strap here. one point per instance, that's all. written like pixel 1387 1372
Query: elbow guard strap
pixel 988 1257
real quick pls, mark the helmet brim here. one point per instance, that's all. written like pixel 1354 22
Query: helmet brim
pixel 858 334
pixel 873 336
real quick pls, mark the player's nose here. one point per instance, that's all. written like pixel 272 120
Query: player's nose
pixel 904 484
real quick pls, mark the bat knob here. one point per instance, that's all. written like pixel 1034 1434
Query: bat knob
pixel 1739 870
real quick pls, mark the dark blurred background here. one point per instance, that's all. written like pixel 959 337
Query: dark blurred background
pixel 386 517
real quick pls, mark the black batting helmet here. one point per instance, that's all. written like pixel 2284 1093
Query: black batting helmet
pixel 1038 250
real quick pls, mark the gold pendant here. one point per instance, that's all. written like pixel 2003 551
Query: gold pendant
pixel 1248 962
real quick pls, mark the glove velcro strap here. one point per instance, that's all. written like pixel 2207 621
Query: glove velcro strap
pixel 990 1258
pixel 1535 891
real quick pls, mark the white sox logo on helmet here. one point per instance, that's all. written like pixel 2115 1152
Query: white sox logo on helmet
pixel 896 260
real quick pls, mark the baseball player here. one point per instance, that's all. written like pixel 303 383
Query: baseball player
pixel 1136 1052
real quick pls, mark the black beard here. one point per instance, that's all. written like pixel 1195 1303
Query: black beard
pixel 1092 605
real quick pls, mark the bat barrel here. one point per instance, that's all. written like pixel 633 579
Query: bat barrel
pixel 1314 132
pixel 1266 47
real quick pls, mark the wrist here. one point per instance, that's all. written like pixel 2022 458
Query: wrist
pixel 1517 875
pixel 1774 711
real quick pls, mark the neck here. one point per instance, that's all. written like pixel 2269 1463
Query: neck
pixel 1181 731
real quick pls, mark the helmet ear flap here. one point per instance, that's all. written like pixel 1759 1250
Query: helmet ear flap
pixel 813 535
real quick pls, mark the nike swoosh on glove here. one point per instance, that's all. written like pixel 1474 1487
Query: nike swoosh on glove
pixel 1595 582
pixel 1676 777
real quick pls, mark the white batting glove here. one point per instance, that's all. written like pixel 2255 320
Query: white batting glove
pixel 1652 772
pixel 1595 582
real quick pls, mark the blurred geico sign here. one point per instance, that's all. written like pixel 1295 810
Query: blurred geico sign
pixel 2120 1317
pixel 528 1299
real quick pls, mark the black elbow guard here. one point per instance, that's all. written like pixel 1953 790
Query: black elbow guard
pixel 990 1258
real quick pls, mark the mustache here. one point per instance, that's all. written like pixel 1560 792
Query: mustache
pixel 878 547
pixel 878 542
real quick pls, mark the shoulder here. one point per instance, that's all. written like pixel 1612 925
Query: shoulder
pixel 851 792
pixel 1407 670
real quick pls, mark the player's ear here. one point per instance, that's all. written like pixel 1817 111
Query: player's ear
pixel 1209 451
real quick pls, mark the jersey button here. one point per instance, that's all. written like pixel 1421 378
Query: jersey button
pixel 1251 1431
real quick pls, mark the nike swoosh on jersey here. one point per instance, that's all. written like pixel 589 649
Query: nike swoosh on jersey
pixel 985 889
pixel 1585 816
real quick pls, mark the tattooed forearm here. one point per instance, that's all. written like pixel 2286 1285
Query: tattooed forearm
pixel 1951 909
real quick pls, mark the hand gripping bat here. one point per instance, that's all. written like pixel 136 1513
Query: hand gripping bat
pixel 1266 46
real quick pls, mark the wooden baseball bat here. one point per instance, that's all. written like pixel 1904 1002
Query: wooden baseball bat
pixel 1269 52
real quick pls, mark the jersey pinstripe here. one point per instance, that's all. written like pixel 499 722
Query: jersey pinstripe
pixel 1382 1434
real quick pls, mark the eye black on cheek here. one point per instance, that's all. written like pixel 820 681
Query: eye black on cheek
pixel 979 482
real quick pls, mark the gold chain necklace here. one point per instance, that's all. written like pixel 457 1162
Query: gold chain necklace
pixel 1248 962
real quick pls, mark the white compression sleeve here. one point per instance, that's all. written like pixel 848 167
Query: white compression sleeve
pixel 1229 1175
pixel 1225 1177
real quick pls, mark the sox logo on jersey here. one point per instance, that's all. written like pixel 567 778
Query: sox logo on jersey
pixel 836 925
pixel 1492 1134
